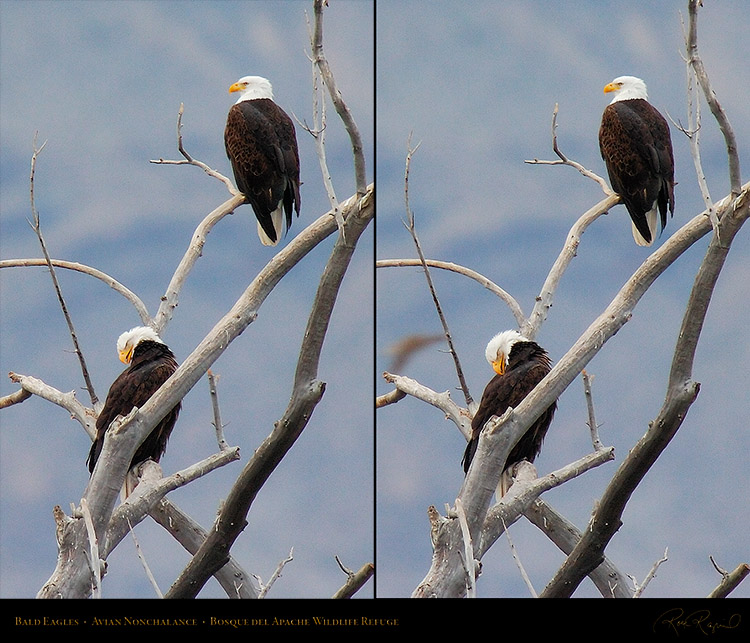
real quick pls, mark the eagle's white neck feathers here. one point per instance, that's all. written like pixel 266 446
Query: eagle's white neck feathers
pixel 252 87
pixel 501 344
pixel 135 335
pixel 627 88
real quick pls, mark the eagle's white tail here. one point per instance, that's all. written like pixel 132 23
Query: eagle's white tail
pixel 277 218
pixel 652 218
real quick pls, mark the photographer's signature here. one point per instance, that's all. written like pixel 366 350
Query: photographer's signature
pixel 677 620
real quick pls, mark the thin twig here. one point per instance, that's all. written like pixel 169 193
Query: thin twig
pixel 139 306
pixel 514 306
pixel 693 132
pixel 411 227
pixel 519 564
pixel 218 426
pixel 639 589
pixel 144 563
pixel 37 227
pixel 276 574
pixel 735 176
pixel 318 131
pixel 564 160
pixel 189 160
pixel 360 175
pixel 593 426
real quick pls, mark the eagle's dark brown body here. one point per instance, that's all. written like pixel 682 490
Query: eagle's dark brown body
pixel 636 146
pixel 262 146
pixel 152 364
pixel 528 364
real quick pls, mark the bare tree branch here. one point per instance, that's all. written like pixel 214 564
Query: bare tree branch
pixel 735 177
pixel 218 426
pixel 170 298
pixel 459 416
pixel 494 445
pixel 411 227
pixel 306 393
pixel 610 582
pixel 318 129
pixel 234 580
pixel 360 175
pixel 681 393
pixel 189 160
pixel 593 426
pixel 564 160
pixel 37 227
pixel 514 504
pixel 382 400
pixel 355 580
pixel 87 270
pixel 152 488
pixel 14 398
pixel 544 300
pixel 515 308
pixel 692 131
pixel 70 578
pixel 730 581
pixel 67 401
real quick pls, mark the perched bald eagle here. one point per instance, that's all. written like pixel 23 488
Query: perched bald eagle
pixel 262 146
pixel 520 365
pixel 151 364
pixel 636 146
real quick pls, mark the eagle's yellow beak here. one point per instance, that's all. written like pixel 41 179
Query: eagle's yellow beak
pixel 126 354
pixel 611 87
pixel 499 365
pixel 237 87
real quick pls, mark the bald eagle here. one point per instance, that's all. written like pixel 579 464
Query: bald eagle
pixel 636 146
pixel 151 364
pixel 262 146
pixel 520 364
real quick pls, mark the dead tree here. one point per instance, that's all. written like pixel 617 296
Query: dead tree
pixel 472 524
pixel 98 524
